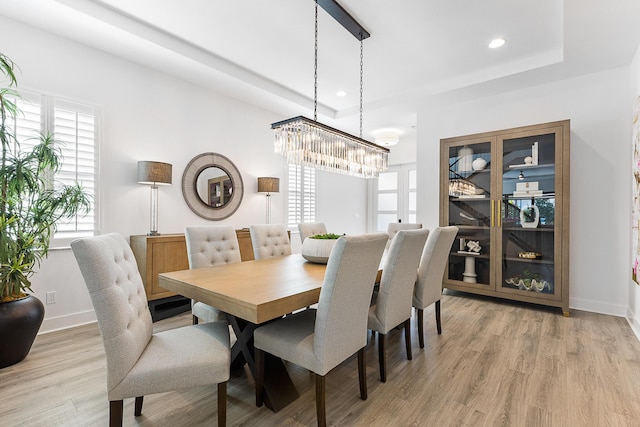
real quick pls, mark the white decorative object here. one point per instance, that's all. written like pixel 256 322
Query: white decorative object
pixel 474 246
pixel 317 250
pixel 465 159
pixel 527 186
pixel 469 275
pixel 528 160
pixel 479 164
pixel 526 221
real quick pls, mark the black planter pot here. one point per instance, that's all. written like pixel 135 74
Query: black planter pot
pixel 19 324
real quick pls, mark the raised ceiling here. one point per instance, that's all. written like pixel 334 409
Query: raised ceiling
pixel 262 51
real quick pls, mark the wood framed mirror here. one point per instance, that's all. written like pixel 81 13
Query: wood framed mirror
pixel 212 186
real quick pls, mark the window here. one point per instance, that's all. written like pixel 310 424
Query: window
pixel 395 196
pixel 301 198
pixel 74 127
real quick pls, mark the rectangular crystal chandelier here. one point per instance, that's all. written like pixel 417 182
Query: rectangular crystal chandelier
pixel 309 143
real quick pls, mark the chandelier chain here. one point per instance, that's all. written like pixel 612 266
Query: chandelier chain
pixel 361 83
pixel 315 70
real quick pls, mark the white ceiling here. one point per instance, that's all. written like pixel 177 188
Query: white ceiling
pixel 262 51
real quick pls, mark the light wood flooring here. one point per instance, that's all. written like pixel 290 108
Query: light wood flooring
pixel 496 364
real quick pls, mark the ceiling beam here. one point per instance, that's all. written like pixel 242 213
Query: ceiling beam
pixel 342 16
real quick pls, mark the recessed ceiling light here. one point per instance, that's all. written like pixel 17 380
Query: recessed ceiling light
pixel 341 93
pixel 496 43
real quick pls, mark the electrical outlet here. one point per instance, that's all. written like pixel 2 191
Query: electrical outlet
pixel 51 297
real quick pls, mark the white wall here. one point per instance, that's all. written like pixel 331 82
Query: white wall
pixel 599 110
pixel 634 289
pixel 147 115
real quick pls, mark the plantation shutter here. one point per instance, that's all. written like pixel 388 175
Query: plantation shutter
pixel 74 129
pixel 28 125
pixel 301 198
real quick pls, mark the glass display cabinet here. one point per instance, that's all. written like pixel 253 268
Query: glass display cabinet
pixel 508 193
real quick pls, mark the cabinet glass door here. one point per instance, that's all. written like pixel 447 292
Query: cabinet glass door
pixel 470 208
pixel 527 241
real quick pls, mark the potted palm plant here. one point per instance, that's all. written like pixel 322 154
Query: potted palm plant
pixel 31 204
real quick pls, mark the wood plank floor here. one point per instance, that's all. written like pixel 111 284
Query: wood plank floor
pixel 496 364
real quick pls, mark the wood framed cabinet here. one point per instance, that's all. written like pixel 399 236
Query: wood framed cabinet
pixel 168 252
pixel 159 254
pixel 508 193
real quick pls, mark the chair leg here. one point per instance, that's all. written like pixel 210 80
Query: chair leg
pixel 222 404
pixel 362 372
pixel 320 401
pixel 115 413
pixel 438 322
pixel 259 363
pixel 137 411
pixel 381 359
pixel 420 326
pixel 407 338
pixel 194 320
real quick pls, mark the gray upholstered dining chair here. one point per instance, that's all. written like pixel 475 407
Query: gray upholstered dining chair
pixel 140 362
pixel 208 246
pixel 269 240
pixel 428 287
pixel 394 227
pixel 321 339
pixel 391 305
pixel 307 229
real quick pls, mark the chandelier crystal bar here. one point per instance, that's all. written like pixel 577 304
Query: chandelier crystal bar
pixel 309 143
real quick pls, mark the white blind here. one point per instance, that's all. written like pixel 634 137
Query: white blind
pixel 301 198
pixel 74 128
pixel 28 125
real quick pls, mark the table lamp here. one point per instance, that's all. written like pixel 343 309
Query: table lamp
pixel 268 185
pixel 154 174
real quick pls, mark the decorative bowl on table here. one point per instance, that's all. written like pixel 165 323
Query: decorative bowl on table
pixel 317 248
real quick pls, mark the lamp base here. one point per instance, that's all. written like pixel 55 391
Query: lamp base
pixel 153 233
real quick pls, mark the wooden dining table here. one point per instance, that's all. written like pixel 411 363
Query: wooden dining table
pixel 252 293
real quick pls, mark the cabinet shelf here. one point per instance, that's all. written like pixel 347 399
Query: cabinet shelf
pixel 541 196
pixel 526 166
pixel 480 256
pixel 469 199
pixel 529 230
pixel 528 260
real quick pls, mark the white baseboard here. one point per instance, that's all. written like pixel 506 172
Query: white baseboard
pixel 633 322
pixel 598 307
pixel 67 321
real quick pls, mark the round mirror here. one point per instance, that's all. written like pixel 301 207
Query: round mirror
pixel 212 186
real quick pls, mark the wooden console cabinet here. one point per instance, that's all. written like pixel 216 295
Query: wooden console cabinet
pixel 168 252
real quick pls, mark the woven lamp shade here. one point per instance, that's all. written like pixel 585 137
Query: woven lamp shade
pixel 268 185
pixel 154 173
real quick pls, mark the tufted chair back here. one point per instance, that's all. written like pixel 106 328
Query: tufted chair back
pixel 208 246
pixel 394 227
pixel 269 240
pixel 393 302
pixel 307 229
pixel 341 319
pixel 117 293
pixel 432 265
pixel 212 245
